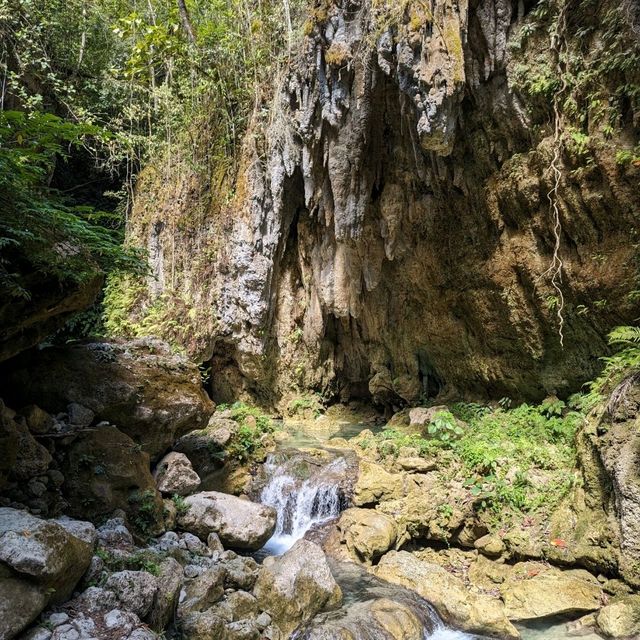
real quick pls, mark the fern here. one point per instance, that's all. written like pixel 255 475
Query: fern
pixel 625 335
pixel 622 365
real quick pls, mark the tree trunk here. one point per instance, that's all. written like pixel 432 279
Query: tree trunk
pixel 186 22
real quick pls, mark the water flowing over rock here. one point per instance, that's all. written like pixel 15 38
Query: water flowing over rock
pixel 454 602
pixel 302 502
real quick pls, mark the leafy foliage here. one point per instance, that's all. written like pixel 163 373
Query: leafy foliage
pixel 41 231
pixel 623 364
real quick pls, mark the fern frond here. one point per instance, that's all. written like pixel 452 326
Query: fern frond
pixel 625 335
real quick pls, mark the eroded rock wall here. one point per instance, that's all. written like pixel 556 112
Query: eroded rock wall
pixel 394 238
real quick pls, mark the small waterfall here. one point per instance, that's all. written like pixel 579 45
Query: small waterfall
pixel 301 502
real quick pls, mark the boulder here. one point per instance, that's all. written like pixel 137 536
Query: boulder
pixel 457 605
pixel 201 445
pixel 295 586
pixel 422 416
pixel 28 457
pixel 551 593
pixel 620 618
pixel 240 524
pixel 44 552
pixel 415 464
pixel 135 590
pixel 20 603
pixel 106 470
pixel 490 545
pixel 381 618
pixel 203 591
pixel 175 475
pixel 149 393
pixel 375 484
pixel 367 534
pixel 38 421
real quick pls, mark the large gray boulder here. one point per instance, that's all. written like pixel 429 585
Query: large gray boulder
pixel 296 586
pixel 175 475
pixel 240 524
pixel 41 561
pixel 149 393
pixel 43 551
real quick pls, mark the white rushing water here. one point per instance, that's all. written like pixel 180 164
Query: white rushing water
pixel 300 503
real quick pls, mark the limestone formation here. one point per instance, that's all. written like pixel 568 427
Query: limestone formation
pixel 454 602
pixel 175 475
pixel 296 586
pixel 240 524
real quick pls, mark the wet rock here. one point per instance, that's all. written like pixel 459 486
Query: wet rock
pixel 149 393
pixel 367 534
pixel 621 617
pixel 239 523
pixel 175 475
pixel 457 605
pixel 294 587
pixel 375 484
pixel 105 470
pixel 135 590
pixel 551 593
pixel 380 618
pixel 43 551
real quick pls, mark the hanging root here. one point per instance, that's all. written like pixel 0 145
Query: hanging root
pixel 558 45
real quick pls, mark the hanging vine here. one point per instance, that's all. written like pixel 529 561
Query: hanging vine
pixel 554 272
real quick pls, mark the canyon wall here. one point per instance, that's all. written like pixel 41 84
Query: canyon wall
pixel 390 231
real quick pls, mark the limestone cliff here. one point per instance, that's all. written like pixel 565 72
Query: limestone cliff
pixel 390 232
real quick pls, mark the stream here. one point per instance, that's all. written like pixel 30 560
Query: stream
pixel 308 483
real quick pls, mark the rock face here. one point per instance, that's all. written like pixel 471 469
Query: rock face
pixel 296 586
pixel 140 386
pixel 453 601
pixel 25 323
pixel 240 524
pixel 608 450
pixel 175 475
pixel 394 238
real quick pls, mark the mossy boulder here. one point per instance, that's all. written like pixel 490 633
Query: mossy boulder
pixel 106 470
pixel 621 617
pixel 149 393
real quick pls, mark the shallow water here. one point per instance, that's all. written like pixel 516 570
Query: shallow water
pixel 307 493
